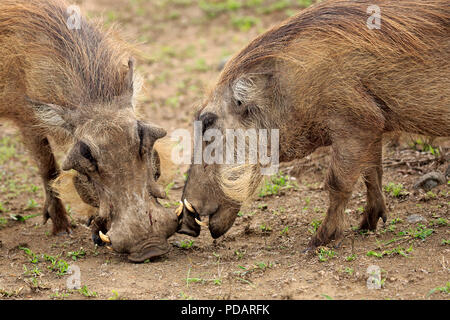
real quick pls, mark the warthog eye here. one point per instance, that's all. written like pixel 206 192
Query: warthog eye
pixel 208 119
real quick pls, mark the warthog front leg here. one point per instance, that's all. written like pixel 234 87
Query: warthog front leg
pixel 351 156
pixel 42 153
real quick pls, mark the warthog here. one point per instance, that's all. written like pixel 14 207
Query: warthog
pixel 324 78
pixel 63 79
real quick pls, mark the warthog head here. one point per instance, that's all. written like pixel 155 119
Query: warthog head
pixel 113 156
pixel 244 104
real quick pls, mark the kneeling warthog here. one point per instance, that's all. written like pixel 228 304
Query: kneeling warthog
pixel 64 79
pixel 327 77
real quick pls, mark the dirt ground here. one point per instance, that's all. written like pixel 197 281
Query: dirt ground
pixel 261 257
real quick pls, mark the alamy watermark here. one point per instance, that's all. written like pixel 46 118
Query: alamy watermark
pixel 235 147
pixel 374 21
pixel 74 20
pixel 74 280
pixel 374 280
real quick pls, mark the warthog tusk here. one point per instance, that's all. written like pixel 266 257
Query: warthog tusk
pixel 189 206
pixel 203 224
pixel 104 237
pixel 179 210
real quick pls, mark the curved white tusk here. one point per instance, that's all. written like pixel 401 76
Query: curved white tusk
pixel 189 206
pixel 179 210
pixel 203 224
pixel 104 237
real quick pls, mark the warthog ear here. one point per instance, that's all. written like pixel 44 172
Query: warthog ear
pixel 148 134
pixel 54 116
pixel 248 87
pixel 132 84
pixel 129 78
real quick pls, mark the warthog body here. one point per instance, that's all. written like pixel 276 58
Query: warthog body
pixel 64 79
pixel 323 78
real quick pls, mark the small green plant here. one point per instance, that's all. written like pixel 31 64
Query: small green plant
pixel 374 254
pixel 396 221
pixel 200 65
pixel 399 251
pixel 351 257
pixel 86 292
pixel 59 266
pixel 244 23
pixel 168 188
pixel 314 225
pixel 325 253
pixel 18 217
pixel 285 231
pixel 186 244
pixel 422 232
pixel 395 190
pixel 276 184
pixel 32 256
pixel 424 146
pixel 7 149
pixel 445 289
pixel 304 3
pixel 349 270
pixel 115 296
pixel 3 208
pixel 445 242
pixel 31 204
pixel 263 266
pixel 439 222
pixel 239 254
pixel 430 195
pixel 173 102
pixel 59 295
pixel 265 228
pixel 214 8
pixel 35 272
pixel 195 280
pixel 76 254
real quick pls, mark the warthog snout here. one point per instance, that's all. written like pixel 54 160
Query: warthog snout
pixel 200 201
pixel 141 232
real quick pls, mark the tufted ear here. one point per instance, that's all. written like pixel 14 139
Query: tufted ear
pixel 54 116
pixel 247 87
pixel 129 78
pixel 148 134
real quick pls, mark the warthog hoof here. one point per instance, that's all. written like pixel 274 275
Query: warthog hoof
pixel 54 210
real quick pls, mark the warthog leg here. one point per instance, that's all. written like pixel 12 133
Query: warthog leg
pixel 41 151
pixel 375 207
pixel 353 152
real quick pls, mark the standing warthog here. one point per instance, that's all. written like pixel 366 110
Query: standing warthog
pixel 62 78
pixel 324 78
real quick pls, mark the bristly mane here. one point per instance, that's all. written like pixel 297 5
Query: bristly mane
pixel 68 67
pixel 403 29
